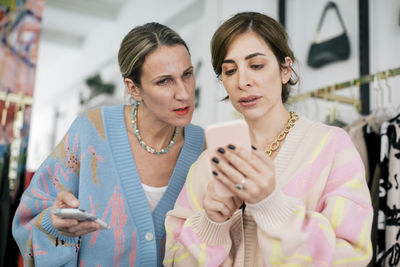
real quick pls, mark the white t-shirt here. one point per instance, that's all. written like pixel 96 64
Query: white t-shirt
pixel 153 194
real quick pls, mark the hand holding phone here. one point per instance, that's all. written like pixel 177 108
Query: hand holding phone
pixel 80 215
pixel 222 134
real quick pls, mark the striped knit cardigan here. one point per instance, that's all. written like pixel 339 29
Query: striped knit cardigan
pixel 94 161
pixel 320 213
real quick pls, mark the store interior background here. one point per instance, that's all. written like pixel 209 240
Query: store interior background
pixel 81 38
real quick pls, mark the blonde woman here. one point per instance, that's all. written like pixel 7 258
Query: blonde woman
pixel 125 164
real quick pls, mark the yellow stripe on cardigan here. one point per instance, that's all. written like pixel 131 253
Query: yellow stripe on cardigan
pixel 354 183
pixel 170 245
pixel 202 254
pixel 275 259
pixel 320 146
pixel 325 227
pixel 190 182
pixel 338 210
pixel 178 259
pixel 173 248
pixel 364 237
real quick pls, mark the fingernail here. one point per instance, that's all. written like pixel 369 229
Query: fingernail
pixel 221 150
pixel 253 147
pixel 231 147
pixel 215 160
pixel 215 173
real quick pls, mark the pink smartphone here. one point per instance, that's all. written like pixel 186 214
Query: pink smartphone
pixel 222 134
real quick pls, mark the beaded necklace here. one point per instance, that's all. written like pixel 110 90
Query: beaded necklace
pixel 289 125
pixel 142 143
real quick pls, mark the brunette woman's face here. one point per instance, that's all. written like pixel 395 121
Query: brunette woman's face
pixel 167 85
pixel 253 77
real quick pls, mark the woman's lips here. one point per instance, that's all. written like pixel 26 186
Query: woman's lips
pixel 181 111
pixel 249 101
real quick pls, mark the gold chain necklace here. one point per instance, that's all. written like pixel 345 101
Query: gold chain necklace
pixel 289 125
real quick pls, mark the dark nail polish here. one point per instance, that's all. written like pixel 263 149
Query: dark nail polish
pixel 231 147
pixel 253 147
pixel 215 160
pixel 221 150
pixel 215 173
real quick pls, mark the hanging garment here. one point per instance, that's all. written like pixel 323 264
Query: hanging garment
pixel 392 233
pixel 383 187
pixel 4 201
pixel 373 142
pixel 371 136
pixel 356 133
pixel 388 245
pixel 12 251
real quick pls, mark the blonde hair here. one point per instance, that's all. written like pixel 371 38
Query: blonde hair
pixel 139 43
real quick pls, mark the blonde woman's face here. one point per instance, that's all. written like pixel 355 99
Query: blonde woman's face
pixel 252 76
pixel 167 85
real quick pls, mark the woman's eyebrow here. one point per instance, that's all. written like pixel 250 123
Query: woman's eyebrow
pixel 246 58
pixel 228 61
pixel 254 55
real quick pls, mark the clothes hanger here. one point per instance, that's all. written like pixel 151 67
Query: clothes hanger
pixel 333 112
pixel 380 113
pixel 392 111
pixel 356 102
pixel 5 110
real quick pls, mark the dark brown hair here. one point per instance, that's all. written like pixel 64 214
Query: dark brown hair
pixel 269 29
pixel 140 42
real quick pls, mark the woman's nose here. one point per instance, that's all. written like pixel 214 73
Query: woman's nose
pixel 182 91
pixel 243 79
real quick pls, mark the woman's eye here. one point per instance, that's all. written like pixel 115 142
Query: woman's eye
pixel 230 72
pixel 162 82
pixel 187 74
pixel 257 66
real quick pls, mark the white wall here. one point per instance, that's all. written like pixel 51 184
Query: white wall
pixel 61 70
pixel 384 46
pixel 302 19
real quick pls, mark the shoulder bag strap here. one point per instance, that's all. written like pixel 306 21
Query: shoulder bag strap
pixel 329 5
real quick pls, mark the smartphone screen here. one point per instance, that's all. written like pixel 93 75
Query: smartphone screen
pixel 222 134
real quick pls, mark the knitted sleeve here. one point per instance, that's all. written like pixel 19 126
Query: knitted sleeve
pixel 39 242
pixel 334 232
pixel 191 236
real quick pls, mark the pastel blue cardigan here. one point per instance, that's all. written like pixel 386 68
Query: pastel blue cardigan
pixel 94 161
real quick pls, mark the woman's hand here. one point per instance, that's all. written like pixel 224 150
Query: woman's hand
pixel 253 170
pixel 70 227
pixel 219 209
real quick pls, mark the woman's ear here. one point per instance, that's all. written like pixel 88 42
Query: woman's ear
pixel 286 70
pixel 132 89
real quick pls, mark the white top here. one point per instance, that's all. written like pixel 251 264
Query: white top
pixel 153 194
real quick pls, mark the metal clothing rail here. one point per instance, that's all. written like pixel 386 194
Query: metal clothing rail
pixel 327 92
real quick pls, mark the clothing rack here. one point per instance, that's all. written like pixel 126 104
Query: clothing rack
pixel 327 92
pixel 20 98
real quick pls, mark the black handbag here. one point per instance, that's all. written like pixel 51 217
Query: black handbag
pixel 332 50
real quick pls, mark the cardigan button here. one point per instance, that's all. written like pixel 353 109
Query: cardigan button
pixel 149 236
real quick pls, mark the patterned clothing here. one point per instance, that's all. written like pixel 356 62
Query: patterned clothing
pixel 94 161
pixel 320 213
pixel 388 246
